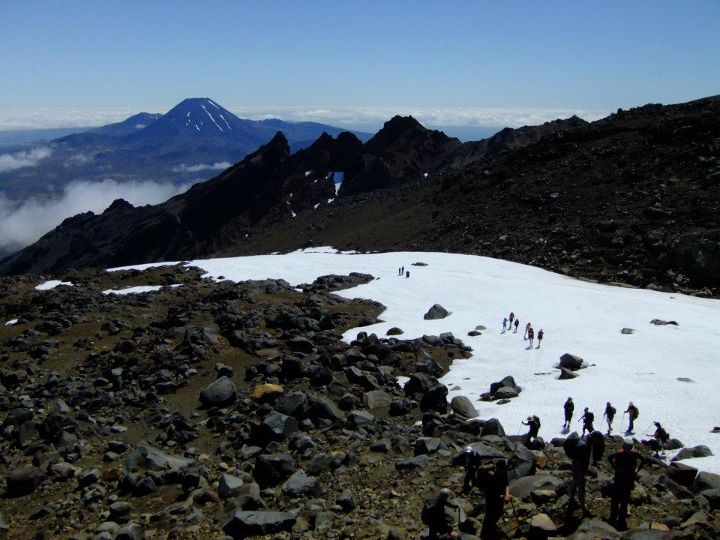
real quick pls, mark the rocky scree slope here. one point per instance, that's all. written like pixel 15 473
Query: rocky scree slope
pixel 216 409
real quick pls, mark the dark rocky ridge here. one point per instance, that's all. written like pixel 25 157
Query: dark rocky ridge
pixel 632 198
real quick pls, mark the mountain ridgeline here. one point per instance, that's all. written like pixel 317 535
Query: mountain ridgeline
pixel 192 141
pixel 631 198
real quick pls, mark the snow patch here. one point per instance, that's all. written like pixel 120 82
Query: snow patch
pixel 577 317
pixel 138 289
pixel 51 284
pixel 11 322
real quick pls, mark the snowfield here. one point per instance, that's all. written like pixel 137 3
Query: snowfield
pixel 138 289
pixel 577 317
pixel 51 284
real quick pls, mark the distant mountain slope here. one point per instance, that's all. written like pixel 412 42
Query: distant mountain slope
pixel 185 145
pixel 632 198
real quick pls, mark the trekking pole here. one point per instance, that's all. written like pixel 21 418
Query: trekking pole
pixel 646 431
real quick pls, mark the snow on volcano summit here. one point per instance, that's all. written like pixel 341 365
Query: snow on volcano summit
pixel 669 372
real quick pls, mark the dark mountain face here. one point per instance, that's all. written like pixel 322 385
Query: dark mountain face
pixel 632 198
pixel 402 150
pixel 194 140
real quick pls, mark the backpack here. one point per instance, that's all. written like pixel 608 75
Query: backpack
pixel 537 422
pixel 570 445
pixel 589 418
pixel 663 435
pixel 611 411
pixel 634 412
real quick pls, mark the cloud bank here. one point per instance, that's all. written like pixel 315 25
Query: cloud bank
pixel 37 118
pixel 26 158
pixel 217 166
pixel 23 223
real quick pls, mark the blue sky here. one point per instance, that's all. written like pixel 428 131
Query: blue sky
pixel 282 55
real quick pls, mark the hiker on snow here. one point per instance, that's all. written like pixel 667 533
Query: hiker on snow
pixel 534 423
pixel 517 323
pixel 632 412
pixel 527 329
pixel 661 437
pixel 569 409
pixel 609 415
pixel 437 518
pixel 531 336
pixel 512 318
pixel 407 273
pixel 627 462
pixel 578 450
pixel 541 334
pixel 587 419
pixel 505 321
pixel 494 483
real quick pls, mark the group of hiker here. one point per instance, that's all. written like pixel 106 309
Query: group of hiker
pixel 588 417
pixel 403 272
pixel 489 473
pixel 511 323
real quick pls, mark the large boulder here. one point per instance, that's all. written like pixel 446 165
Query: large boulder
pixel 152 459
pixel 693 452
pixel 323 408
pixel 463 407
pixel 219 393
pixel 523 487
pixel 23 481
pixel 301 485
pixel 492 427
pixel 706 480
pixel 682 474
pixel 273 469
pixel 418 384
pixel 277 426
pixel 506 382
pixel 266 392
pixel 571 362
pixel 376 399
pixel 243 524
pixel 435 399
pixel 436 312
pixel 229 486
pixel 293 404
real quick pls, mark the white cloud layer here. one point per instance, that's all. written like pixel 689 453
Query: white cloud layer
pixel 26 158
pixel 217 166
pixel 37 118
pixel 22 224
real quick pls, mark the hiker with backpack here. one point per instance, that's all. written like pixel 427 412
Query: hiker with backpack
pixel 569 409
pixel 534 424
pixel 512 319
pixel 437 514
pixel 596 441
pixel 493 480
pixel 505 321
pixel 661 437
pixel 578 450
pixel 541 334
pixel 530 336
pixel 527 328
pixel 609 415
pixel 633 413
pixel 626 463
pixel 517 323
pixel 587 419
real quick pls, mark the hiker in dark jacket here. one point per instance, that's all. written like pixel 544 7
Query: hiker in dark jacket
pixel 587 419
pixel 632 412
pixel 517 323
pixel 534 424
pixel 596 440
pixel 661 436
pixel 609 415
pixel 531 336
pixel 569 409
pixel 578 450
pixel 495 485
pixel 627 462
pixel 541 335
pixel 437 518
